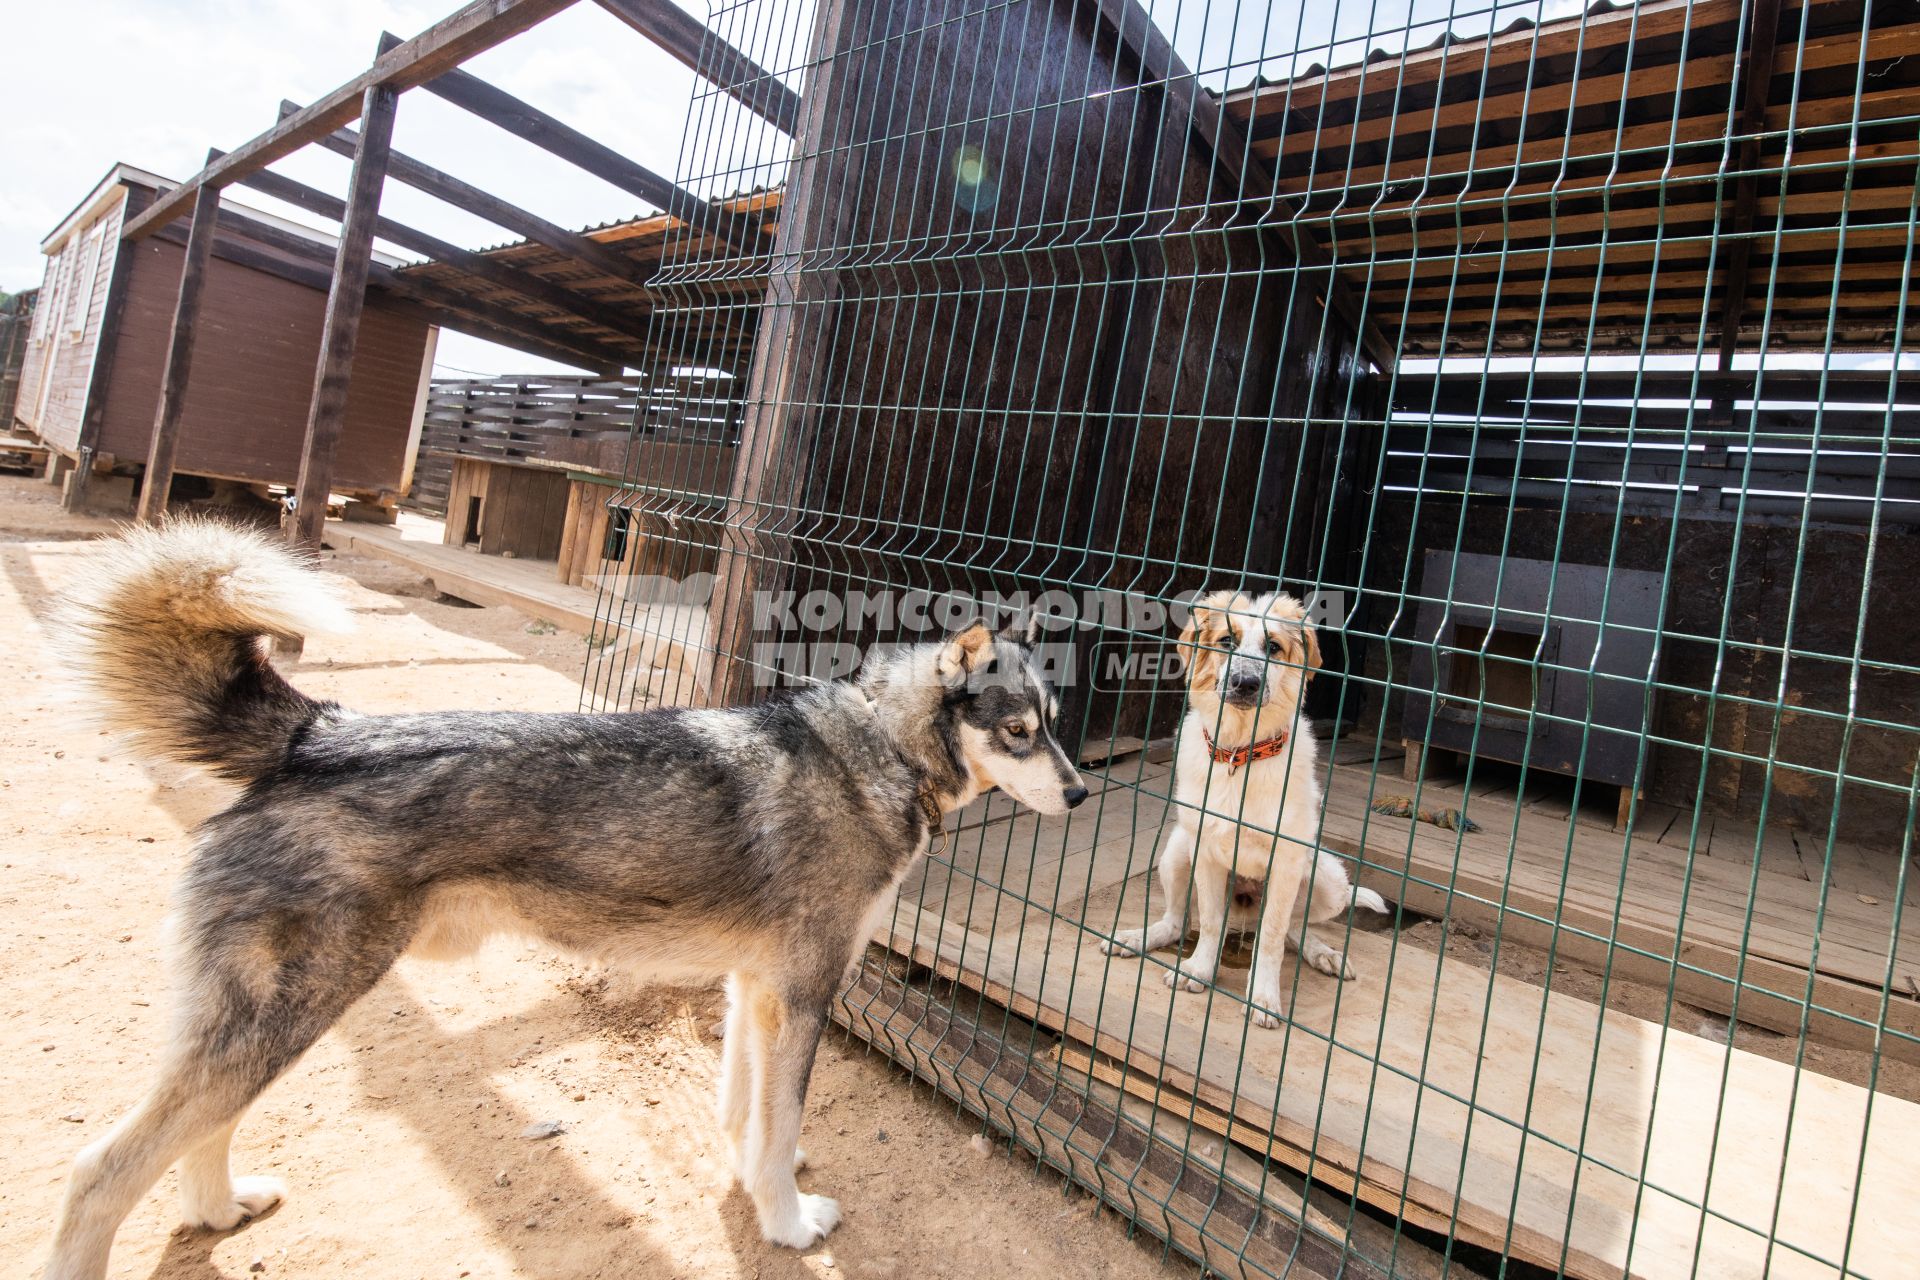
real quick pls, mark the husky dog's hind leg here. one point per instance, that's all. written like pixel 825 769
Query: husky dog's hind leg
pixel 252 1001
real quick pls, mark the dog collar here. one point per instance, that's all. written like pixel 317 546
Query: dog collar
pixel 1237 757
pixel 936 820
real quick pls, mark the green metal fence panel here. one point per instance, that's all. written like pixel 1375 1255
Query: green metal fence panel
pixel 1555 363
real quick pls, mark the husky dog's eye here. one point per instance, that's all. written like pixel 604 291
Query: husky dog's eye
pixel 1015 729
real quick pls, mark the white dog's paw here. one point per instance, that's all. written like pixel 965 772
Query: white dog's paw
pixel 1180 979
pixel 1334 965
pixel 813 1218
pixel 1124 943
pixel 251 1198
pixel 1262 1018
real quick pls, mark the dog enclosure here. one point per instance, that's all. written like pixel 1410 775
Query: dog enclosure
pixel 1559 358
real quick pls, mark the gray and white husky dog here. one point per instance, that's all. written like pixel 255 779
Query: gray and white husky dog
pixel 760 843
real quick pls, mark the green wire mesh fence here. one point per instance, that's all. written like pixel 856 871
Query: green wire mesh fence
pixel 1556 360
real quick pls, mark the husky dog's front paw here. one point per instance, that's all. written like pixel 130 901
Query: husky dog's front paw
pixel 813 1217
pixel 251 1198
pixel 1124 943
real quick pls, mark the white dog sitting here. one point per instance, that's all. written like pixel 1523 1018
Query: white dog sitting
pixel 1246 767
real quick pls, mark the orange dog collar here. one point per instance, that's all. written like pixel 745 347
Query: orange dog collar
pixel 1237 757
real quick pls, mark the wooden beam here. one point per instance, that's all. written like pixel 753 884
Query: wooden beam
pixel 753 555
pixel 1757 71
pixel 1247 172
pixel 504 274
pixel 104 352
pixel 477 27
pixel 698 46
pixel 498 107
pixel 463 195
pixel 173 385
pixel 250 248
pixel 345 300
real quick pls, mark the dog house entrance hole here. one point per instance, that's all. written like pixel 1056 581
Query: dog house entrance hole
pixel 471 534
pixel 1493 665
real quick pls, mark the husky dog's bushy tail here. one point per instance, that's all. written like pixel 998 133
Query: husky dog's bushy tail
pixel 166 633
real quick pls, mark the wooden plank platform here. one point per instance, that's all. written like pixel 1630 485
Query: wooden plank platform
pixel 1684 895
pixel 661 632
pixel 1643 905
pixel 1520 1119
pixel 1416 1087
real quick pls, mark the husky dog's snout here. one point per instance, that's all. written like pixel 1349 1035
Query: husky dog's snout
pixel 1074 795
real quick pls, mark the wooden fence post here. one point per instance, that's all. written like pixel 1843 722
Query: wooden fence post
pixel 345 301
pixel 173 386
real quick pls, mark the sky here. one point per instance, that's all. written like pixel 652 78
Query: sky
pixel 157 82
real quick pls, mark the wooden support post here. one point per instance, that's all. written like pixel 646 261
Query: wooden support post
pixel 752 553
pixel 173 385
pixel 93 416
pixel 341 332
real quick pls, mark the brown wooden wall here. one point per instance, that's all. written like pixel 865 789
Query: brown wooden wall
pixel 522 510
pixel 253 369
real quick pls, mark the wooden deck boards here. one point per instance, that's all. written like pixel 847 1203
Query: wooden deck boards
pixel 1653 895
pixel 1019 917
pixel 1540 862
pixel 1560 1146
pixel 1416 1086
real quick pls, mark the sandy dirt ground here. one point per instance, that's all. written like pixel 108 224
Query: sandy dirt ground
pixel 400 1135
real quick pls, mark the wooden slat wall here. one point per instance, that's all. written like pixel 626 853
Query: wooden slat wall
pixel 59 356
pixel 253 375
pixel 529 418
pixel 1672 443
pixel 1575 188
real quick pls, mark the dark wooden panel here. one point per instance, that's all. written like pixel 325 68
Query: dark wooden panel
pixel 259 344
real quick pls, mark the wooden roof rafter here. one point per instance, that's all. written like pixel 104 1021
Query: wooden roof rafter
pixel 500 108
pixel 529 285
pixel 690 40
pixel 471 199
pixel 476 27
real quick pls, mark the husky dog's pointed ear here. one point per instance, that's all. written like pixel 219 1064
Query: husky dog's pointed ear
pixel 1023 629
pixel 964 653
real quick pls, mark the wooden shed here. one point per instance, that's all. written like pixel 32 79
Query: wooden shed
pixel 97 352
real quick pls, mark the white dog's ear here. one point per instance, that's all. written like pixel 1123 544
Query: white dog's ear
pixel 1023 629
pixel 1312 639
pixel 964 653
pixel 1203 636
